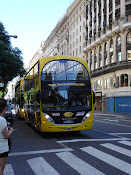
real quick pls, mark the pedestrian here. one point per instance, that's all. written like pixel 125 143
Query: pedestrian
pixel 4 136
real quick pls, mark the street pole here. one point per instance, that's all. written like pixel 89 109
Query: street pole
pixel 13 36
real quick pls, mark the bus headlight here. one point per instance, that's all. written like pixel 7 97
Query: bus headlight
pixel 86 116
pixel 48 118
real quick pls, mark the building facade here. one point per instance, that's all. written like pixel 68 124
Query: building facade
pixel 36 57
pixel 68 37
pixel 108 53
pixel 100 31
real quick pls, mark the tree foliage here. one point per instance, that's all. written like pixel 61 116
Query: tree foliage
pixel 11 61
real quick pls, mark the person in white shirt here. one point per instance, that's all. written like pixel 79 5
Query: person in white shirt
pixel 4 135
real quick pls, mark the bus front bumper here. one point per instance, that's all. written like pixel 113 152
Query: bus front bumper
pixel 66 128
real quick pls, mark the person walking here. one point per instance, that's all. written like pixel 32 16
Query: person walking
pixel 4 136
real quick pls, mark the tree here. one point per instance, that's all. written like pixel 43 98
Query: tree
pixel 11 61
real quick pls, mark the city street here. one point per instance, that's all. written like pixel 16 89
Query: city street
pixel 106 149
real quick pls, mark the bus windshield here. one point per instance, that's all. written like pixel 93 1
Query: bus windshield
pixel 65 85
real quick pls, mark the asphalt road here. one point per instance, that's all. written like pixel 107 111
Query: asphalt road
pixel 106 149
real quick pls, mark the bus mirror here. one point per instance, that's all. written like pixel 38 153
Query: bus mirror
pixel 38 97
pixel 93 98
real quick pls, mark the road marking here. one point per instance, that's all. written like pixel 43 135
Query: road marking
pixel 77 164
pixel 117 149
pixel 40 166
pixel 114 120
pixel 125 143
pixel 91 140
pixel 113 123
pixel 8 170
pixel 40 151
pixel 120 116
pixel 121 133
pixel 111 160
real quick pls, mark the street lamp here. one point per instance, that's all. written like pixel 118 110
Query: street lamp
pixel 13 36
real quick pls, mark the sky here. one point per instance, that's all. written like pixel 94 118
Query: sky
pixel 32 21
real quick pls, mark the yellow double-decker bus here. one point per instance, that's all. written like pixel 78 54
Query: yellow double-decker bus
pixel 58 96
pixel 19 98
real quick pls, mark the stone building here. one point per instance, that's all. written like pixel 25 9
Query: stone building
pixel 68 37
pixel 108 53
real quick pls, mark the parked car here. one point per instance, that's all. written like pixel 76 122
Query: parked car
pixel 8 116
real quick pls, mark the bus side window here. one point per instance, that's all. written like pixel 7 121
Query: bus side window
pixel 38 96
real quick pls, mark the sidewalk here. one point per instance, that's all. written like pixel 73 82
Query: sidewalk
pixel 111 113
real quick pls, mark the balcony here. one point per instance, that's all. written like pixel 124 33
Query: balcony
pixel 111 68
pixel 108 34
pixel 126 26
pixel 116 29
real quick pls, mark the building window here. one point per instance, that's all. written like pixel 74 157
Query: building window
pixel 130 80
pixel 76 52
pixel 109 82
pixel 119 56
pixel 80 38
pixel 111 58
pixel 95 60
pixel 105 54
pixel 129 38
pixel 91 61
pixel 98 84
pixel 80 28
pixel 118 48
pixel 100 57
pixel 128 46
pixel 80 50
pixel 118 41
pixel 73 35
pixel 105 84
pixel 124 80
pixel 117 82
pixel 111 51
pixel 129 54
